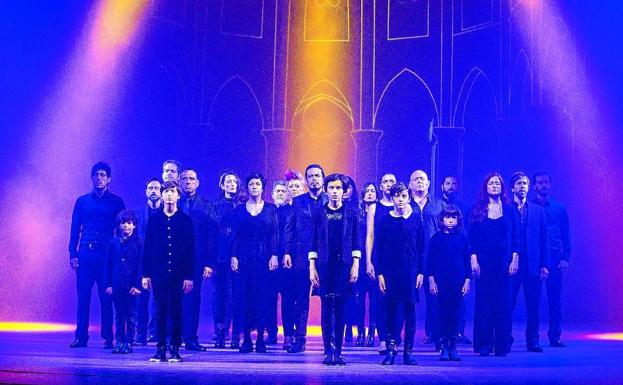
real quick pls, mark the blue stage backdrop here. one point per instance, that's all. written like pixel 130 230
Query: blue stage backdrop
pixel 362 87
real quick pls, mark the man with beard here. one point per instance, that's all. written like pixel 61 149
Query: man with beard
pixel 171 171
pixel 533 256
pixel 297 243
pixel 198 208
pixel 144 327
pixel 560 249
pixel 93 222
pixel 428 210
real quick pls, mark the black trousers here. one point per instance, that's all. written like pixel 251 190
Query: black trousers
pixel 430 321
pixel 223 298
pixel 393 333
pixel 532 296
pixel 168 300
pixel 144 325
pixel 271 302
pixel 332 321
pixel 192 309
pixel 287 302
pixel 297 299
pixel 449 302
pixel 492 312
pixel 91 272
pixel 125 316
pixel 554 291
pixel 381 318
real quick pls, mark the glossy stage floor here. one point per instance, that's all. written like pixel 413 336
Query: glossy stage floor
pixel 45 358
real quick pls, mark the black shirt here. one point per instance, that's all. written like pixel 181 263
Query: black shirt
pixel 449 259
pixel 93 220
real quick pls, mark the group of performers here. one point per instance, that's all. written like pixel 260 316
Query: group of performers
pixel 367 253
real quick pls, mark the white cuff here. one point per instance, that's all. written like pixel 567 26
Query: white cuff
pixel 312 255
pixel 357 254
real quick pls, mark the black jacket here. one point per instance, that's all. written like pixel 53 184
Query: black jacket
pixel 123 263
pixel 299 227
pixel 536 249
pixel 199 209
pixel 169 247
pixel 351 238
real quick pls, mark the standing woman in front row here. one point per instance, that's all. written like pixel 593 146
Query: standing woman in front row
pixel 254 254
pixel 334 263
pixel 494 241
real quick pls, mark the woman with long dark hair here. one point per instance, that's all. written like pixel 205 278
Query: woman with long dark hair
pixel 494 241
pixel 253 256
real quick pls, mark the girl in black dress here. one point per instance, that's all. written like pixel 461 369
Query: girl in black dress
pixel 399 247
pixel 254 255
pixel 494 241
pixel 334 263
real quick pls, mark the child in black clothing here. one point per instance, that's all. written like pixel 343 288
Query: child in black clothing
pixel 449 276
pixel 123 279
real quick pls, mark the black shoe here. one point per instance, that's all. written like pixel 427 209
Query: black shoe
pixel 235 342
pixel 287 342
pixel 390 355
pixel 407 358
pixel 298 346
pixel 361 340
pixel 484 352
pixel 118 348
pixel 246 347
pixel 160 356
pixel 271 340
pixel 219 340
pixel 329 358
pixel 453 354
pixel 127 348
pixel 445 355
pixel 555 344
pixel 108 344
pixel 535 349
pixel 370 339
pixel 175 354
pixel 260 346
pixel 78 343
pixel 194 346
pixel 462 339
pixel 339 360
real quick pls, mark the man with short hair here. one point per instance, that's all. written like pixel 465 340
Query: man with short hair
pixel 171 169
pixel 428 211
pixel 297 243
pixel 560 250
pixel 533 256
pixel 93 222
pixel 198 209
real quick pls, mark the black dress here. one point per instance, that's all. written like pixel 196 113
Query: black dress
pixel 255 242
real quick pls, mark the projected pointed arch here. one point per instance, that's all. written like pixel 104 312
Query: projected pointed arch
pixel 323 124
pixel 327 20
pixel 234 136
pixel 404 114
pixel 476 75
pixel 520 95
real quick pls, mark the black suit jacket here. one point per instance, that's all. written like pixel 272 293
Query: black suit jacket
pixel 536 248
pixel 299 227
pixel 351 239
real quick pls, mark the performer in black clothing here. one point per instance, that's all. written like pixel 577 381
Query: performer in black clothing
pixel 123 278
pixel 168 267
pixel 231 196
pixel 145 328
pixel 428 210
pixel 297 243
pixel 400 244
pixel 494 242
pixel 254 254
pixel 375 212
pixel 351 197
pixel 533 257
pixel 560 250
pixel 334 263
pixel 450 196
pixel 93 222
pixel 449 273
pixel 199 209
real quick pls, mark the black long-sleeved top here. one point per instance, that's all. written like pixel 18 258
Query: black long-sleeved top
pixel 349 239
pixel 448 257
pixel 282 217
pixel 299 227
pixel 479 240
pixel 557 229
pixel 169 247
pixel 534 251
pixel 199 209
pixel 255 238
pixel 123 263
pixel 400 245
pixel 93 220
pixel 143 213
pixel 221 225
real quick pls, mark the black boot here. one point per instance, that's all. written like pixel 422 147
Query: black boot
pixel 287 342
pixel 370 339
pixel 247 344
pixel 361 337
pixel 453 353
pixel 219 343
pixel 160 356
pixel 348 335
pixel 407 355
pixel 390 355
pixel 235 341
pixel 445 353
pixel 127 348
pixel 175 354
pixel 118 348
pixel 298 346
pixel 260 345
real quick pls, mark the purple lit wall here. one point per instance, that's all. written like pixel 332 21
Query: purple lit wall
pixel 453 86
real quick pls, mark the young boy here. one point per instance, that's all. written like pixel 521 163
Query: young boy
pixel 334 263
pixel 449 277
pixel 400 241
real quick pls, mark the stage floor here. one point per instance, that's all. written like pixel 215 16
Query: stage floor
pixel 45 358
